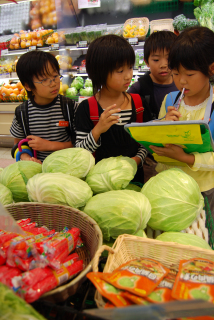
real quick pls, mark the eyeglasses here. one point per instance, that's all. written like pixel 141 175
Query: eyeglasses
pixel 47 82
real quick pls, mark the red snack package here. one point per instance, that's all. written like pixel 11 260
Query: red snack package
pixel 163 292
pixel 31 277
pixel 29 226
pixel 63 258
pixel 3 271
pixel 6 236
pixel 195 280
pixel 23 222
pixel 2 257
pixel 57 278
pixel 71 259
pixel 23 264
pixel 109 305
pixel 108 291
pixel 7 278
pixel 139 276
pixel 135 299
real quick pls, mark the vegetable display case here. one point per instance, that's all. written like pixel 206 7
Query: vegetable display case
pixel 56 217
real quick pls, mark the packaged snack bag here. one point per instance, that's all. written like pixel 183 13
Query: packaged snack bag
pixel 109 305
pixel 6 236
pixel 23 222
pixel 163 292
pixel 7 277
pixel 139 276
pixel 31 277
pixel 108 291
pixel 135 299
pixel 195 280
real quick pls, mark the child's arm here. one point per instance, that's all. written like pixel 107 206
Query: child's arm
pixel 39 144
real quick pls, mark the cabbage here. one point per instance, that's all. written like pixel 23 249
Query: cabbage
pixel 77 84
pixel 88 83
pixel 184 238
pixel 80 79
pixel 113 173
pixel 58 188
pixel 118 212
pixel 1 169
pixel 16 176
pixel 71 92
pixel 175 198
pixel 6 196
pixel 86 92
pixel 73 161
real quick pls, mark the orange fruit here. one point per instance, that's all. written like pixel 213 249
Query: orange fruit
pixel 28 36
pixel 34 42
pixel 13 41
pixel 16 46
pixel 50 40
pixel 40 43
pixel 16 91
pixel 13 96
pixel 23 36
pixel 13 86
pixel 28 43
pixel 10 91
pixel 19 85
pixel 23 44
pixel 12 46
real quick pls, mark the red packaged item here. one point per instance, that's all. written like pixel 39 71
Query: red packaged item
pixel 108 291
pixel 139 276
pixel 6 236
pixel 23 264
pixel 71 259
pixel 3 270
pixel 163 292
pixel 195 280
pixel 57 278
pixel 31 277
pixel 23 222
pixel 29 226
pixel 135 299
pixel 2 257
pixel 7 277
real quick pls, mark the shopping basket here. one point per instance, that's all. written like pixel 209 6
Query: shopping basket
pixel 57 217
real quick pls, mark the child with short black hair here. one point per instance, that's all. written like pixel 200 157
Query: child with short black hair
pixel 192 63
pixel 100 120
pixel 156 83
pixel 47 117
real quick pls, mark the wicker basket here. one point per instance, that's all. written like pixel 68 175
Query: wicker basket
pixel 57 217
pixel 139 22
pixel 128 247
pixel 162 24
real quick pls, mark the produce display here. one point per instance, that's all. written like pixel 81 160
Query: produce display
pixel 133 31
pixel 6 196
pixel 13 92
pixel 43 13
pixel 56 37
pixel 205 14
pixel 88 33
pixel 65 62
pixel 39 261
pixel 180 22
pixel 25 39
pixel 78 87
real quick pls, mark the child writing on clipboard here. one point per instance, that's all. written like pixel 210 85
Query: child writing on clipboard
pixel 100 119
pixel 191 60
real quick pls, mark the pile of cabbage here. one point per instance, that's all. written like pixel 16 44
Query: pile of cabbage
pixel 169 202
pixel 78 86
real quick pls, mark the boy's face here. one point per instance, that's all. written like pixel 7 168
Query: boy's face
pixel 158 64
pixel 45 94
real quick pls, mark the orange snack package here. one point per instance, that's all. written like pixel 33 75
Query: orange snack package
pixel 163 292
pixel 199 318
pixel 139 276
pixel 135 299
pixel 107 290
pixel 195 280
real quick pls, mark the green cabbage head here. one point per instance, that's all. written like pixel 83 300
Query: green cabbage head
pixel 184 238
pixel 16 176
pixel 58 188
pixel 118 212
pixel 175 198
pixel 73 161
pixel 113 173
pixel 6 196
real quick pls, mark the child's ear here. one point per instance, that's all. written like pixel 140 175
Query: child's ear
pixel 211 68
pixel 27 87
pixel 146 62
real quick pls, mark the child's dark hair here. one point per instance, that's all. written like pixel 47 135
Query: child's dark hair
pixel 159 40
pixel 34 63
pixel 194 50
pixel 106 54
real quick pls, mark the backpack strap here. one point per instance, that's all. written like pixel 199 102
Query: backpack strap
pixel 138 106
pixel 21 113
pixel 93 110
pixel 211 122
pixel 171 98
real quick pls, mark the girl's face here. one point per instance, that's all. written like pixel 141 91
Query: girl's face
pixel 119 80
pixel 194 82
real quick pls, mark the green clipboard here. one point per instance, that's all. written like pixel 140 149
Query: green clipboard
pixel 192 136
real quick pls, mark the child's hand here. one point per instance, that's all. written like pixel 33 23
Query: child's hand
pixel 107 119
pixel 35 160
pixel 172 114
pixel 37 143
pixel 174 152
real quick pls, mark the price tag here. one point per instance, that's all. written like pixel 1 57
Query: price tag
pixel 4 52
pixel 54 46
pixel 82 44
pixel 5 75
pixel 81 98
pixel 32 48
pixel 133 41
pixel 82 69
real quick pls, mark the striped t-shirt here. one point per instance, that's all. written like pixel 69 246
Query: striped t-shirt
pixel 43 123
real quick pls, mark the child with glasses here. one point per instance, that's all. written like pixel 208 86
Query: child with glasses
pixel 46 118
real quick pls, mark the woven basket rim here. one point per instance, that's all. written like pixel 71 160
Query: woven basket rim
pixel 86 218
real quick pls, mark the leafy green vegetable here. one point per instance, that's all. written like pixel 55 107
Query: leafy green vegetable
pixel 73 161
pixel 118 212
pixel 175 198
pixel 77 83
pixel 14 308
pixel 133 187
pixel 16 176
pixel 88 92
pixel 6 196
pixel 58 188
pixel 205 15
pixel 1 169
pixel 88 83
pixel 184 238
pixel 71 92
pixel 112 173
